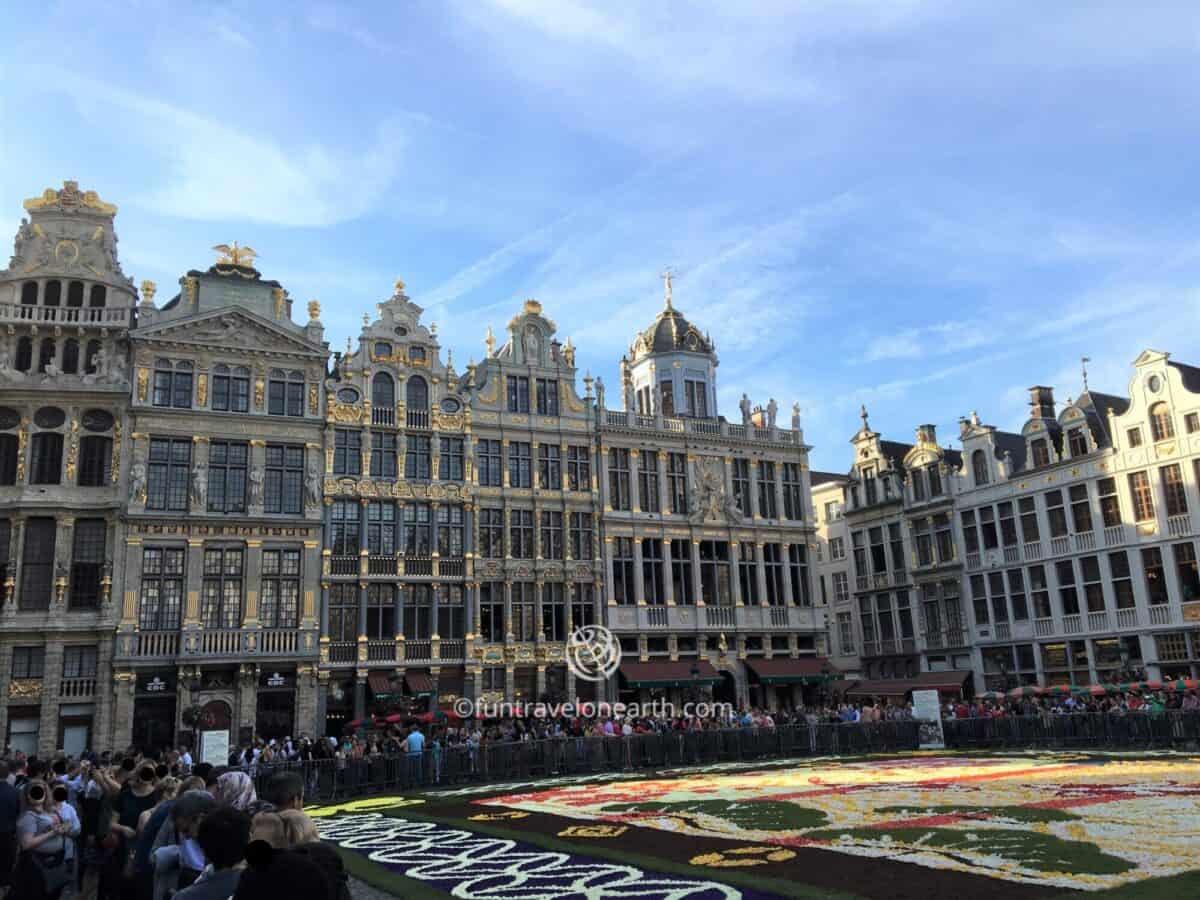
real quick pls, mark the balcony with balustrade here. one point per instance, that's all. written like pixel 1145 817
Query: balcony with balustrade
pixel 84 317
pixel 614 419
pixel 212 643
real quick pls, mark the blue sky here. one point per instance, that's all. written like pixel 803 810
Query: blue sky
pixel 921 206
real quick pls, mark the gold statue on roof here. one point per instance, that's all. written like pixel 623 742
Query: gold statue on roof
pixel 233 255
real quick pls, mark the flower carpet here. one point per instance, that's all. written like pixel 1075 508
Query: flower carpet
pixel 919 825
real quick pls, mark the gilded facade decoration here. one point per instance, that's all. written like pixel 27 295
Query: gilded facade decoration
pixel 143 384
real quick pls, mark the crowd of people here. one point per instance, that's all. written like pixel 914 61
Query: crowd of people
pixel 150 827
pixel 153 827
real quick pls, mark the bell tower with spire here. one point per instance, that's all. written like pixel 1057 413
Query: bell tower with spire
pixel 672 366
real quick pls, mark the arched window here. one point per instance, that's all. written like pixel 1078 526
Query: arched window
pixel 1161 425
pixel 53 295
pixel 416 395
pixel 24 359
pixel 46 459
pixel 383 391
pixel 75 294
pixel 979 464
pixel 46 354
pixel 29 292
pixel 89 358
pixel 98 297
pixel 70 360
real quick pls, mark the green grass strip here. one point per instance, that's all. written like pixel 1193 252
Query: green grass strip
pixel 1170 887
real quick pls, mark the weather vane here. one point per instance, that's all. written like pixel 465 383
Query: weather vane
pixel 1083 367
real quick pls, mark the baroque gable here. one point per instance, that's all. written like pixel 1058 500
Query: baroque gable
pixel 229 330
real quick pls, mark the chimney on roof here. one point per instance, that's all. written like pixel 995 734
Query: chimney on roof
pixel 1041 402
pixel 926 434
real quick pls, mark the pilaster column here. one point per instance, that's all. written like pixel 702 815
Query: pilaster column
pixel 668 581
pixel 195 576
pixel 64 546
pixel 760 572
pixel 635 473
pixel 639 577
pixel 664 495
pixel 609 591
pixel 789 591
pixel 508 612
pixel 698 596
pixel 253 577
pixel 735 583
pixel 752 465
pixel 257 475
pixel 538 620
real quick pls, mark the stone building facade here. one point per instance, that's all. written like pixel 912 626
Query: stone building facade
pixel 221 552
pixel 66 308
pixel 1061 554
pixel 707 529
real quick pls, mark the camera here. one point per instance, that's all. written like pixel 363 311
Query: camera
pixel 161 771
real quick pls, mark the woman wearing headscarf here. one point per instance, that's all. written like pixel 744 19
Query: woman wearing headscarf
pixel 236 789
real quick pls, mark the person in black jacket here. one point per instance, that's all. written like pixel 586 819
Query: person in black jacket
pixel 10 810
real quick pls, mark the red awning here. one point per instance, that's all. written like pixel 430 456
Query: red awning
pixel 785 670
pixel 677 673
pixel 379 682
pixel 418 682
pixel 942 682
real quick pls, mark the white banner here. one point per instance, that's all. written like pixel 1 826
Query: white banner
pixel 927 712
pixel 214 747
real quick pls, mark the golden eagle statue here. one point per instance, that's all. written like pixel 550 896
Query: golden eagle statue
pixel 233 255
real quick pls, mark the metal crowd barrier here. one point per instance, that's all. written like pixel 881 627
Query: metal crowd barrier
pixel 437 766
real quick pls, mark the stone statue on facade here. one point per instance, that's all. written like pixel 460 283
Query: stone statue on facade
pixel 137 482
pixel 530 346
pixel 312 483
pixel 600 392
pixel 796 416
pixel 707 499
pixel 256 487
pixel 7 372
pixel 199 487
pixel 772 412
pixel 744 406
pixel 655 402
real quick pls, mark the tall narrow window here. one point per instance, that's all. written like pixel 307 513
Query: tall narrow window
pixel 793 494
pixel 221 589
pixel 1093 588
pixel 581 535
pixel 741 485
pixel 87 563
pixel 520 533
pixel 450 531
pixel 231 389
pixel 1186 571
pixel 491 533
pixel 766 490
pixel 1081 510
pixel 383 454
pixel 1161 426
pixel 416 400
pixel 519 465
pixel 70 357
pixel 618 478
pixel 161 604
pixel 579 469
pixel 748 573
pixel 980 466
pixel 95 460
pixel 547 396
pixel 1066 587
pixel 46 458
pixel 347 451
pixel 283 485
pixel 773 569
pixel 1143 499
pixel 381 612
pixel 489 463
pixel 344 525
pixel 518 393
pixel 450 467
pixel 280 607
pixel 1122 580
pixel 285 393
pixel 46 354
pixel 677 488
pixel 715 586
pixel 383 391
pixel 549 467
pixel 648 481
pixel 681 572
pixel 227 476
pixel 697 398
pixel 168 473
pixel 1008 524
pixel 653 591
pixel 552 534
pixel 418 530
pixel 798 560
pixel 1056 513
pixel 624 589
pixel 381 528
pixel 491 612
pixel 1077 442
pixel 24 357
pixel 1156 582
pixel 1110 505
pixel 37 564
pixel 417 460
pixel 1174 494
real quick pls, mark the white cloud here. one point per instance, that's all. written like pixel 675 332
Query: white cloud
pixel 209 170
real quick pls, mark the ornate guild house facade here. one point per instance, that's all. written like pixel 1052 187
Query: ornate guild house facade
pixel 221 555
pixel 707 530
pixel 66 309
